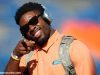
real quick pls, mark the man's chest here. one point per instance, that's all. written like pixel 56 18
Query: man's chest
pixel 46 62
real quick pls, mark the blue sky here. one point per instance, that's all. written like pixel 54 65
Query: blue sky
pixel 9 31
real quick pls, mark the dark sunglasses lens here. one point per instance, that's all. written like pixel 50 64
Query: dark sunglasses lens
pixel 33 21
pixel 24 29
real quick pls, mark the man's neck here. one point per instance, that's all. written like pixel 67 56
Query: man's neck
pixel 52 32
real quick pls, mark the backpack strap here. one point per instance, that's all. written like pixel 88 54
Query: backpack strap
pixel 64 55
pixel 27 59
pixel 28 56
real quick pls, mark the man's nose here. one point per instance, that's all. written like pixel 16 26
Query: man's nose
pixel 32 27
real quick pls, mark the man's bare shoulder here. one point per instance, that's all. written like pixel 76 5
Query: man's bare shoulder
pixel 79 51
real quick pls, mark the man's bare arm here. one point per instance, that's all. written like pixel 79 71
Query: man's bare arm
pixel 82 59
pixel 23 47
pixel 12 66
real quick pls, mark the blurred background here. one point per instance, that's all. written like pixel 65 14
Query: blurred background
pixel 79 18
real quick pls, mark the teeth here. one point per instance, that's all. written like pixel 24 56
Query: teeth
pixel 36 29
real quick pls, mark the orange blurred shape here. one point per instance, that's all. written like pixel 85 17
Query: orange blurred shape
pixel 86 31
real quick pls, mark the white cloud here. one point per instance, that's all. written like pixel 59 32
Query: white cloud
pixel 72 5
pixel 4 30
pixel 21 2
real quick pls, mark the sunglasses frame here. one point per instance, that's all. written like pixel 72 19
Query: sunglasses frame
pixel 33 21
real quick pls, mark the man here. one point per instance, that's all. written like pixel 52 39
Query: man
pixel 42 41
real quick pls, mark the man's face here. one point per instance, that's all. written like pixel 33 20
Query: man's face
pixel 34 28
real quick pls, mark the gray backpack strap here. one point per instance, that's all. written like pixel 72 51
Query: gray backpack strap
pixel 28 56
pixel 64 55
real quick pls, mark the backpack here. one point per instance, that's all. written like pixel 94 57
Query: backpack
pixel 63 54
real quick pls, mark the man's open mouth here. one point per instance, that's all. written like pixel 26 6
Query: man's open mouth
pixel 36 31
pixel 35 34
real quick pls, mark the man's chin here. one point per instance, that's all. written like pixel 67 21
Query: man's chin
pixel 32 38
pixel 42 42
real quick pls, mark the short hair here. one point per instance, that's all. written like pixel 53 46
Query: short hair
pixel 30 6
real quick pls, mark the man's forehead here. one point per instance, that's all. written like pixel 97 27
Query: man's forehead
pixel 26 17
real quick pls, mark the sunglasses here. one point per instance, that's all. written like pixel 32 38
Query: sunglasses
pixel 33 21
